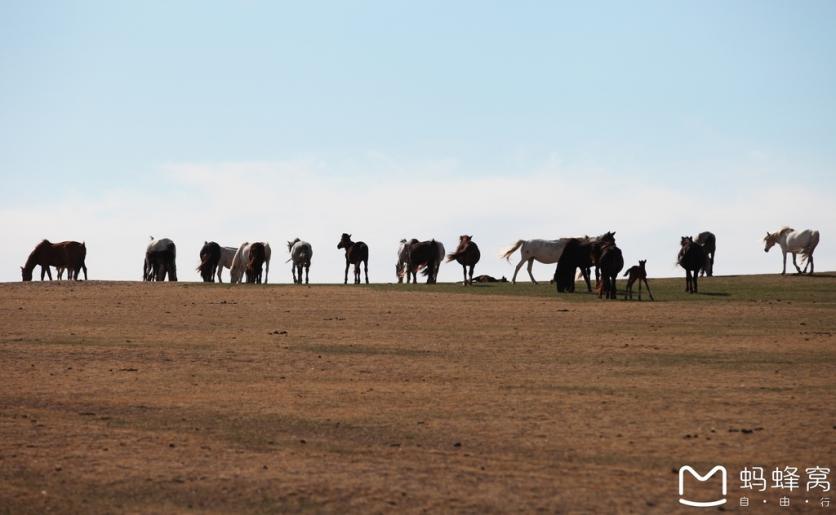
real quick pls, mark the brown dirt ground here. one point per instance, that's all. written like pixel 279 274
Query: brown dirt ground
pixel 168 398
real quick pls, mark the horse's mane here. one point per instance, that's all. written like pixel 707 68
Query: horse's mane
pixel 291 243
pixel 784 229
pixel 464 242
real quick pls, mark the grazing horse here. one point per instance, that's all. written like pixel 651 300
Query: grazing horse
pixel 467 254
pixel 611 264
pixel 67 254
pixel 709 245
pixel 795 242
pixel 427 254
pixel 544 251
pixel 160 260
pixel 227 256
pixel 577 253
pixel 402 266
pixel 255 262
pixel 637 273
pixel 210 257
pixel 240 260
pixel 355 253
pixel 692 258
pixel 301 254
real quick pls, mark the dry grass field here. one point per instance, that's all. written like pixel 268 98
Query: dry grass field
pixel 168 398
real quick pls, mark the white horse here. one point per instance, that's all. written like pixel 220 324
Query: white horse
pixel 239 262
pixel 790 240
pixel 227 257
pixel 403 260
pixel 301 253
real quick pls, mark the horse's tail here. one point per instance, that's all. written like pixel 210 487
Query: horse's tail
pixel 508 252
pixel 811 246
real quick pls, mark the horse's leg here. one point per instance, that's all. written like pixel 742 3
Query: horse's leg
pixel 517 270
pixel 696 289
pixel 366 268
pixel 293 271
pixel 307 271
pixel 471 274
pixel 648 288
pixel 687 281
pixel 711 264
pixel 346 271
pixel 810 260
pixel 531 264
pixel 586 277
pixel 784 272
pixel 795 264
pixel 464 272
pixel 640 290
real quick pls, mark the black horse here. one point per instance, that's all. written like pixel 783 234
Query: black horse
pixel 255 265
pixel 709 245
pixel 355 253
pixel 210 256
pixel 576 254
pixel 692 258
pixel 611 263
pixel 467 254
pixel 160 261
pixel 423 253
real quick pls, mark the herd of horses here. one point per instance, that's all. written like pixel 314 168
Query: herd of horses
pixel 573 256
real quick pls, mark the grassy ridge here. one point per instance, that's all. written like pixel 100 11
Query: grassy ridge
pixel 820 288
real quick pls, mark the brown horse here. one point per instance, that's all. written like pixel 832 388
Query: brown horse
pixel 355 253
pixel 467 255
pixel 255 266
pixel 67 254
pixel 637 273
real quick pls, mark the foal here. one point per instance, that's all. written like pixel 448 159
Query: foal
pixel 355 253
pixel 637 273
pixel 467 255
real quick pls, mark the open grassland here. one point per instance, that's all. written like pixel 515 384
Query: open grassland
pixel 207 398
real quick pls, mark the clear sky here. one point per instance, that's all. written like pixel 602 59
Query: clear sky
pixel 254 121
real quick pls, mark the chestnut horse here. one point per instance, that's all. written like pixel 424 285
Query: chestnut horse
pixel 355 253
pixel 467 255
pixel 67 254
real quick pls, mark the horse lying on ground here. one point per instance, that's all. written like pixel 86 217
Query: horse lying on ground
pixel 488 279
pixel 67 254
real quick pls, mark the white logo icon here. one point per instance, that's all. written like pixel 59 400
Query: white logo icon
pixel 701 478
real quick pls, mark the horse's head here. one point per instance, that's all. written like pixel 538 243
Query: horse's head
pixel 686 240
pixel 345 241
pixel 770 240
pixel 399 272
pixel 290 244
pixel 642 263
pixel 27 274
pixel 608 236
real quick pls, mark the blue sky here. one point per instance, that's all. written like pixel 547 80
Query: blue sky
pixel 510 120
